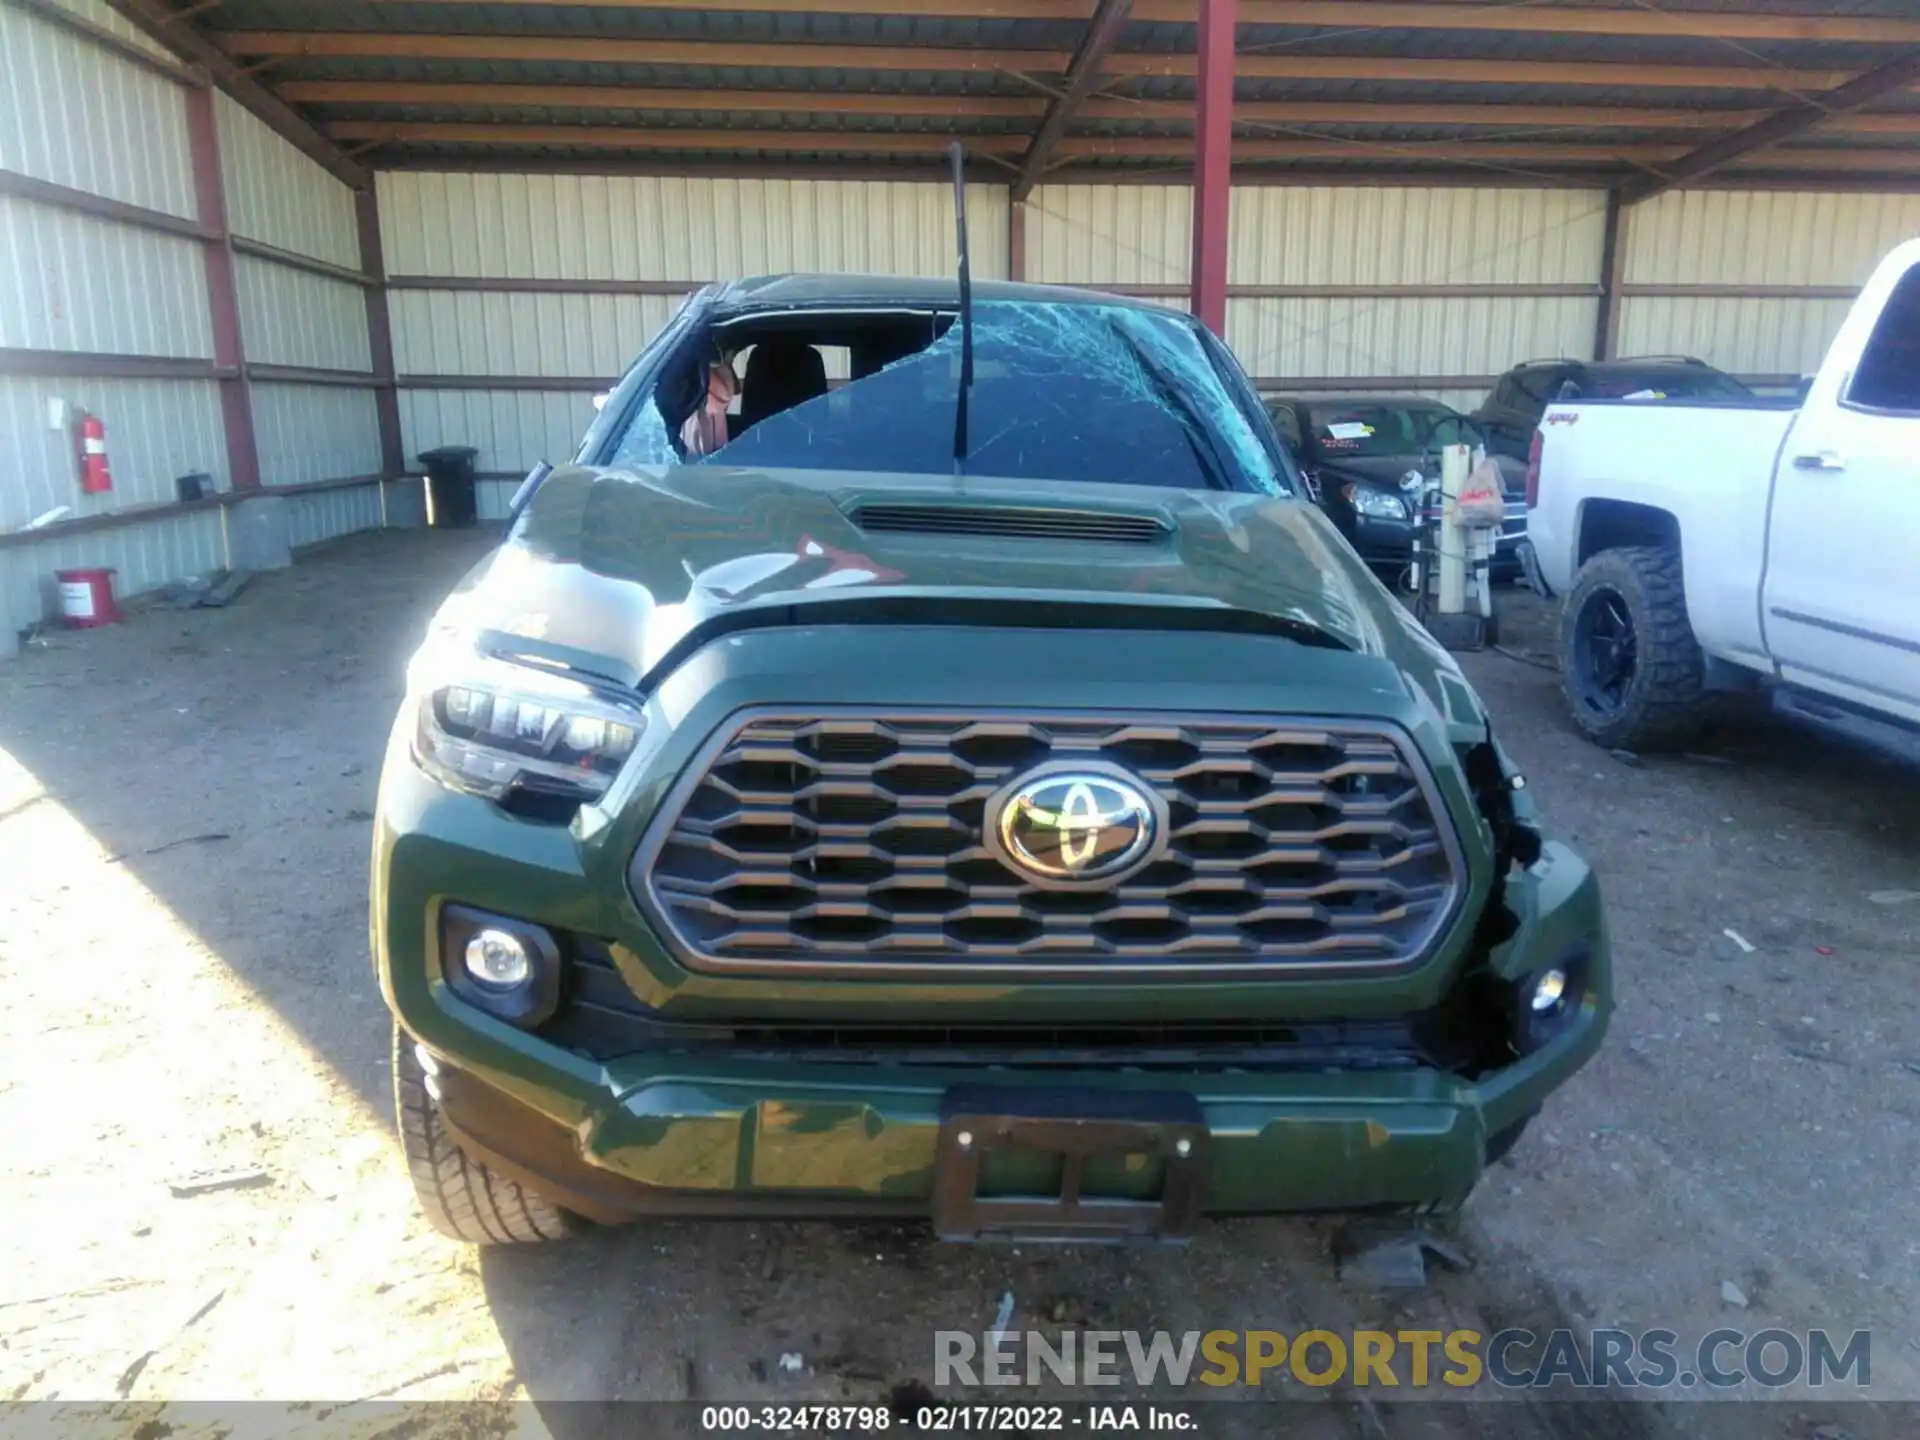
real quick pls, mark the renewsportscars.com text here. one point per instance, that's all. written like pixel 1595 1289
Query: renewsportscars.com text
pixel 1411 1359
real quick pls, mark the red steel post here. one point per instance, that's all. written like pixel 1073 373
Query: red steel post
pixel 223 299
pixel 1212 163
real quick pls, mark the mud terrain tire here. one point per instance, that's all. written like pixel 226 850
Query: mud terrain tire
pixel 1633 675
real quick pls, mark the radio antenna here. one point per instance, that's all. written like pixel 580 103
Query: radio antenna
pixel 958 156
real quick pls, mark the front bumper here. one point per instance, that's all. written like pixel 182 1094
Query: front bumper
pixel 666 1130
pixel 680 1133
pixel 756 1139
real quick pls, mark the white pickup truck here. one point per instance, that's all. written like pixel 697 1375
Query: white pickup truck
pixel 1742 545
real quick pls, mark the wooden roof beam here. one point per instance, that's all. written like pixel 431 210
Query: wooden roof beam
pixel 1123 63
pixel 624 97
pixel 1544 117
pixel 1257 66
pixel 1796 119
pixel 625 137
pixel 1083 78
pixel 1540 19
pixel 968 107
pixel 1548 19
pixel 1440 152
pixel 370 44
pixel 893 142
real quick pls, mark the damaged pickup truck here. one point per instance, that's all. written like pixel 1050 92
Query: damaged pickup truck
pixel 978 790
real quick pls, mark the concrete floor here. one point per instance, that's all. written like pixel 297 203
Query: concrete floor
pixel 183 831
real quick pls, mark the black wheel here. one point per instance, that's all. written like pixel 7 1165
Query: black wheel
pixel 461 1196
pixel 1633 673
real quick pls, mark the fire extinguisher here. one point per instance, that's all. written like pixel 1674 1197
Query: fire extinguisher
pixel 90 438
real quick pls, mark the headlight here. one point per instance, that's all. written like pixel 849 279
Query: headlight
pixel 488 726
pixel 1376 503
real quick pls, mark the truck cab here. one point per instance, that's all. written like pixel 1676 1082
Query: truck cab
pixel 1742 544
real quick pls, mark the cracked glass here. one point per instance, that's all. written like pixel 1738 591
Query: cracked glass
pixel 1107 393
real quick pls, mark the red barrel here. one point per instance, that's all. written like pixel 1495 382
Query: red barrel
pixel 86 597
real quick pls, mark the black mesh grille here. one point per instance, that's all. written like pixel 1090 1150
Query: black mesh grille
pixel 856 840
pixel 1012 521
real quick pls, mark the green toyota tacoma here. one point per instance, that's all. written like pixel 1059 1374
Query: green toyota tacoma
pixel 921 758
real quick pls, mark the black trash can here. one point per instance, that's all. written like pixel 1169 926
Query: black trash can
pixel 450 485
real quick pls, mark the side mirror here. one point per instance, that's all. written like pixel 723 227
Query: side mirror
pixel 535 478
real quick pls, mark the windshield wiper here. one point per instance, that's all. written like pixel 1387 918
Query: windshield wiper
pixel 1167 389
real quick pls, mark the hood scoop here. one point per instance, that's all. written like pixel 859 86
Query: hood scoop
pixel 1016 522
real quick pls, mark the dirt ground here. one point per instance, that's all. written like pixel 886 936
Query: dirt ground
pixel 183 833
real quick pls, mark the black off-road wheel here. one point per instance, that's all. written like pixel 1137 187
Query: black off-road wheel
pixel 461 1196
pixel 1634 676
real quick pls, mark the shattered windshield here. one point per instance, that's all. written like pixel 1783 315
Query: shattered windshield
pixel 1107 393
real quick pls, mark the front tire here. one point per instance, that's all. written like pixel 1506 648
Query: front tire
pixel 461 1196
pixel 1634 676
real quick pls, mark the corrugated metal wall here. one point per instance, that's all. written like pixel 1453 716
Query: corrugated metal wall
pixel 1110 234
pixel 1410 237
pixel 294 317
pixel 80 116
pixel 314 432
pixel 1354 239
pixel 288 316
pixel 100 13
pixel 324 514
pixel 644 229
pixel 1753 239
pixel 512 429
pixel 158 429
pixel 648 228
pixel 277 195
pixel 1357 238
pixel 445 332
pixel 1376 337
pixel 72 282
pixel 1530 258
pixel 147 555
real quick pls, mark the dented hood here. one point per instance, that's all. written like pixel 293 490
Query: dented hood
pixel 624 566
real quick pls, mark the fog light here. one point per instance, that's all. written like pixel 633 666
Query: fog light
pixel 503 960
pixel 1549 989
pixel 1546 1002
pixel 509 968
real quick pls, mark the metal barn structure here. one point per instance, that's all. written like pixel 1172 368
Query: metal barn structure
pixel 289 246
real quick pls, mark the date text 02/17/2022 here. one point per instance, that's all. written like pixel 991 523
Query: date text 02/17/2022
pixel 944 1419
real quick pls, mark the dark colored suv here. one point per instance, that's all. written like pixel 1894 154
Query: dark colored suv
pixel 1511 413
pixel 1357 454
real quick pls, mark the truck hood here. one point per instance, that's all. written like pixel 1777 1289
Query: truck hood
pixel 621 570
